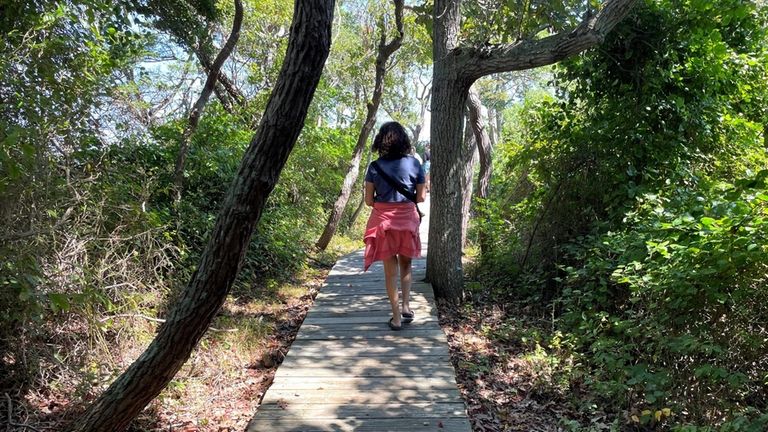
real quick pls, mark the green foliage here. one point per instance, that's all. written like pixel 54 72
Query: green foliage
pixel 507 21
pixel 632 202
pixel 671 310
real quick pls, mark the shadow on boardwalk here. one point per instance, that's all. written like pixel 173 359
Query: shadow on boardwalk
pixel 347 371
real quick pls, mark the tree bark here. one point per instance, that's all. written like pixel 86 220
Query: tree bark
pixel 361 204
pixel 423 99
pixel 356 213
pixel 449 94
pixel 532 53
pixel 199 106
pixel 469 156
pixel 385 51
pixel 455 69
pixel 223 80
pixel 483 141
pixel 484 150
pixel 265 157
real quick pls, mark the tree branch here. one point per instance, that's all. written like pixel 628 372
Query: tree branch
pixel 528 54
pixel 197 109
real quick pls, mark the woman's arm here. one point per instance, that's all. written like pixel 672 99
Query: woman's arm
pixel 421 192
pixel 369 194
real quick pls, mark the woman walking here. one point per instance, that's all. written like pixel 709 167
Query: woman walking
pixel 393 184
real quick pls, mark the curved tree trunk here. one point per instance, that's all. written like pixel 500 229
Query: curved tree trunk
pixel 385 51
pixel 469 156
pixel 455 69
pixel 199 106
pixel 223 80
pixel 483 141
pixel 484 149
pixel 265 157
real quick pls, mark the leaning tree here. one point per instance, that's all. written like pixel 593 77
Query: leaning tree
pixel 284 116
pixel 456 67
pixel 385 51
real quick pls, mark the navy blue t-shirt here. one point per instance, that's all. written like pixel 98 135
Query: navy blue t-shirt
pixel 407 170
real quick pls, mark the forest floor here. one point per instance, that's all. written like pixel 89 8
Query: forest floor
pixel 508 381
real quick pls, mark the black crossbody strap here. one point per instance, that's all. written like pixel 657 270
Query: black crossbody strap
pixel 398 187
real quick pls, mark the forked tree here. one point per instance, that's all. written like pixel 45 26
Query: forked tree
pixel 456 68
pixel 283 119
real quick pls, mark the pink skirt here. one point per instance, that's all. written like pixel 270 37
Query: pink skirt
pixel 393 229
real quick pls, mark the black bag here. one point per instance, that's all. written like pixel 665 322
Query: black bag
pixel 398 187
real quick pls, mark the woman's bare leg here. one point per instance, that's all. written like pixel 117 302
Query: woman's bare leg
pixel 405 281
pixel 390 279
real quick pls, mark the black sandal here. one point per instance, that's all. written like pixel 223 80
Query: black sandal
pixel 407 317
pixel 393 326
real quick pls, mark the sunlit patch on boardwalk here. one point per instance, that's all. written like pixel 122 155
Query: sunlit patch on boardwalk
pixel 347 371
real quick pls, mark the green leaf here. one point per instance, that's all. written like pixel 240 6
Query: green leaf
pixel 59 302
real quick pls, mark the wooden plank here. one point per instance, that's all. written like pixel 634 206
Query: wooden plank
pixel 312 396
pixel 353 367
pixel 369 280
pixel 376 311
pixel 363 385
pixel 359 425
pixel 365 281
pixel 441 410
pixel 367 351
pixel 368 320
pixel 423 307
pixel 379 291
pixel 407 360
pixel 361 300
pixel 395 342
pixel 383 332
pixel 309 327
pixel 360 297
pixel 431 371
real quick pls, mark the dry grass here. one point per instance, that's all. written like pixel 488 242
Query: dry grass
pixel 218 389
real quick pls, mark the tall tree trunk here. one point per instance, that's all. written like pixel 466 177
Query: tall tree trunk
pixel 265 157
pixel 455 69
pixel 197 109
pixel 469 156
pixel 444 267
pixel 385 51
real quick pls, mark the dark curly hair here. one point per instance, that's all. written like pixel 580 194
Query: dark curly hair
pixel 392 141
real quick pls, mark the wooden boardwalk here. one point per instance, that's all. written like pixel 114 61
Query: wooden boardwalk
pixel 347 371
